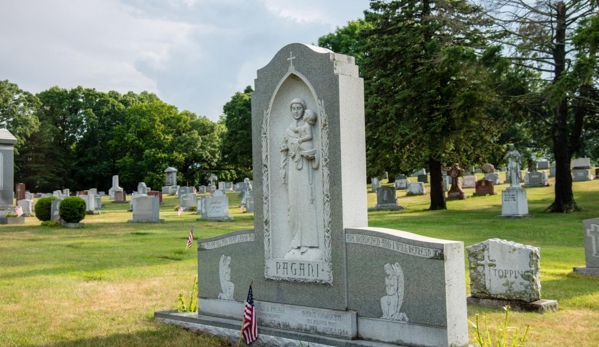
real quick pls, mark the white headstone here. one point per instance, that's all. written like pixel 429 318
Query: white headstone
pixel 469 181
pixel 416 188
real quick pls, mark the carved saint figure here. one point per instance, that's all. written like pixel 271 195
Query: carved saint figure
pixel 246 192
pixel 299 160
pixel 394 287
pixel 226 285
pixel 513 166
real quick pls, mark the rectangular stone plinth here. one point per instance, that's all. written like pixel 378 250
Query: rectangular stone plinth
pixel 589 271
pixel 514 202
pixel 538 306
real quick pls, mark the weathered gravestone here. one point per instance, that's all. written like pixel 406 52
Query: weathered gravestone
pixel 423 178
pixel 375 184
pixel 202 189
pixel 536 179
pixel 20 191
pixel 488 168
pixel 216 207
pixel 55 204
pixel 416 188
pixel 115 187
pixel 158 194
pixel 543 165
pixel 98 202
pixel 90 203
pixel 506 273
pixel 29 196
pixel 246 193
pixel 27 206
pixel 552 171
pixel 456 191
pixel 7 183
pixel 419 172
pixel 386 200
pixel 590 230
pixel 146 209
pixel 581 163
pixel 469 181
pixel 514 203
pixel 221 186
pixel 170 186
pixel 187 201
pixel 320 275
pixel 484 187
pixel 402 183
pixel 493 177
pixel 120 197
pixel 581 175
pixel 142 188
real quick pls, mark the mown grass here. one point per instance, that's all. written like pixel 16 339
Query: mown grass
pixel 100 285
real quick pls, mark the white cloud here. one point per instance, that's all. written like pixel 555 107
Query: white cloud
pixel 195 54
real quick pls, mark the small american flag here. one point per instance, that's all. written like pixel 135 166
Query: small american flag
pixel 18 210
pixel 180 211
pixel 190 239
pixel 250 325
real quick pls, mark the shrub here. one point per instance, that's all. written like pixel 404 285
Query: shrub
pixel 72 209
pixel 43 208
pixel 11 215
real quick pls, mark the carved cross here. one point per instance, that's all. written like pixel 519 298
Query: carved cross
pixel 454 172
pixel 291 57
pixel 593 233
pixel 487 264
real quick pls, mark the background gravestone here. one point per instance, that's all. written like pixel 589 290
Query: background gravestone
pixel 20 191
pixel 215 208
pixel 590 230
pixel 146 209
pixel 416 188
pixel 469 181
pixel 7 184
pixel 115 187
pixel 386 200
pixel 375 184
pixel 27 206
pixel 484 187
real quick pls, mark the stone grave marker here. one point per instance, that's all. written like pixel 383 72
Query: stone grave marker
pixel 90 203
pixel 552 171
pixel 423 178
pixel 386 200
pixel 29 196
pixel 536 179
pixel 416 188
pixel 484 187
pixel 187 200
pixel 7 183
pixel 493 177
pixel 27 206
pixel 216 208
pixel 54 209
pixel 115 187
pixel 320 274
pixel 20 191
pixel 249 204
pixel 488 168
pixel 202 189
pixel 142 188
pixel 590 231
pixel 146 210
pixel 456 191
pixel 120 197
pixel 581 163
pixel 418 173
pixel 514 203
pixel 221 186
pixel 402 183
pixel 376 184
pixel 98 202
pixel 581 175
pixel 468 181
pixel 506 273
pixel 158 194
pixel 543 165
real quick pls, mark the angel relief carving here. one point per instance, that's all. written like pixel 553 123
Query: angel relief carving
pixel 299 161
pixel 394 287
pixel 226 285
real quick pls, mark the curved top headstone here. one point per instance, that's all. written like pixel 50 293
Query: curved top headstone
pixel 170 169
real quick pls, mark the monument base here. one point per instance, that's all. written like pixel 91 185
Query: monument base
pixel 145 221
pixel 225 219
pixel 119 202
pixel 12 220
pixel 589 271
pixel 92 212
pixel 514 202
pixel 388 208
pixel 477 194
pixel 539 306
pixel 516 216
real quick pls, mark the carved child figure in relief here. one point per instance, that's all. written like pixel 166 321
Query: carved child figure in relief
pixel 299 160
pixel 394 286
pixel 226 285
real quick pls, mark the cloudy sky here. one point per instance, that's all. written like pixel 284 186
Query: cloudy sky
pixel 194 54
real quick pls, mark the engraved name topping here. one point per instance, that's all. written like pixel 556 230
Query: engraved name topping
pixel 418 251
pixel 227 241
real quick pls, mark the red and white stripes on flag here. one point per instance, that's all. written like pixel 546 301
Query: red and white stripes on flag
pixel 18 210
pixel 190 239
pixel 250 325
pixel 180 211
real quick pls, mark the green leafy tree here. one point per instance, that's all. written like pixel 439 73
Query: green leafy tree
pixel 428 89
pixel 559 40
pixel 348 39
pixel 17 111
pixel 237 138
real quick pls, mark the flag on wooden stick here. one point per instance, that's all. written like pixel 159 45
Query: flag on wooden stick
pixel 190 238
pixel 18 211
pixel 180 211
pixel 249 327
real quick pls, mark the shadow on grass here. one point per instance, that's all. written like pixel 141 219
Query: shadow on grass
pixel 571 286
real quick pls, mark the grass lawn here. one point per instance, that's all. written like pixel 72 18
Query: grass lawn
pixel 100 285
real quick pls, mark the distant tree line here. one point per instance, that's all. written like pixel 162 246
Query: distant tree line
pixel 80 138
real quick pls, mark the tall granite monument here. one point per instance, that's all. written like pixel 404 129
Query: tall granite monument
pixel 7 172
pixel 320 274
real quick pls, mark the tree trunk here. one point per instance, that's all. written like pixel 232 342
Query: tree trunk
pixel 564 197
pixel 437 194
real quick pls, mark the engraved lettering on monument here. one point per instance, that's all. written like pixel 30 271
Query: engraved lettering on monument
pixel 394 287
pixel 226 285
pixel 297 232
